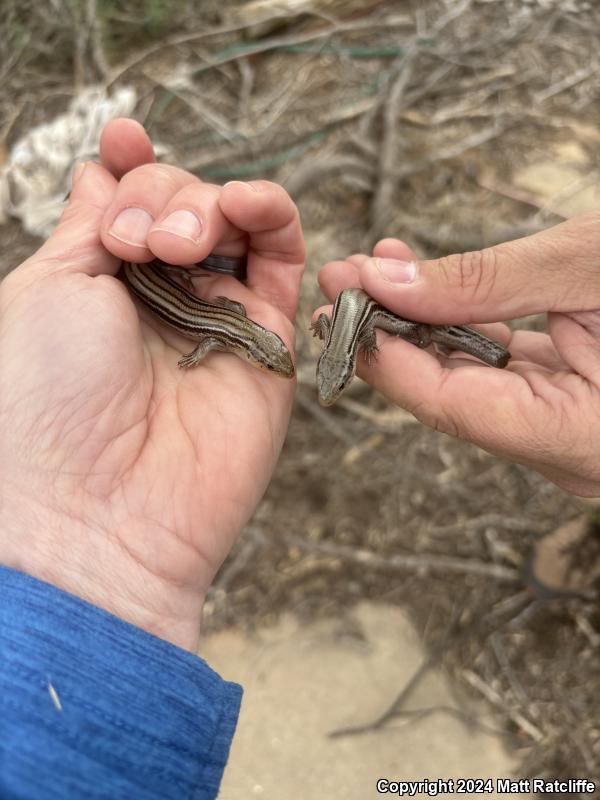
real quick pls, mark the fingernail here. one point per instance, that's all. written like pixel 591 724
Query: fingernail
pixel 131 226
pixel 396 271
pixel 241 183
pixel 182 223
pixel 77 173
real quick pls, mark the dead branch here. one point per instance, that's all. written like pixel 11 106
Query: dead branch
pixel 497 700
pixel 423 563
pixel 491 520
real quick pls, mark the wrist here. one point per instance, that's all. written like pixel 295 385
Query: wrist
pixel 91 563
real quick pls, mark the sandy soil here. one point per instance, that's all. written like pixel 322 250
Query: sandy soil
pixel 304 681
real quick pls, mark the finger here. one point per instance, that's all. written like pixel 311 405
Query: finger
pixel 530 346
pixel 500 407
pixel 335 276
pixel 75 244
pixel 556 270
pixel 577 340
pixel 141 196
pixel 276 245
pixel 192 225
pixel 394 248
pixel 356 259
pixel 124 145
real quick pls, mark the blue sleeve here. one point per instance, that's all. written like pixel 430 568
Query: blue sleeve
pixel 92 707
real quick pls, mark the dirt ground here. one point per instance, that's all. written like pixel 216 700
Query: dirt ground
pixel 453 126
pixel 303 682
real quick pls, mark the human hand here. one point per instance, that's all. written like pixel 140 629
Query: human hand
pixel 543 410
pixel 125 478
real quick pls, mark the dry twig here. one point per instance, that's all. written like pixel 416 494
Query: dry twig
pixel 497 700
pixel 422 562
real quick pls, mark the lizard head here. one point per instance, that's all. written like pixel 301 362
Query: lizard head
pixel 333 375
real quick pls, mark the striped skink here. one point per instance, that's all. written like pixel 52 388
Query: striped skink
pixel 352 326
pixel 222 325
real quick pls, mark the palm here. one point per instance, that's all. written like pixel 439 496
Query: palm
pixel 550 395
pixel 540 398
pixel 157 451
pixel 212 435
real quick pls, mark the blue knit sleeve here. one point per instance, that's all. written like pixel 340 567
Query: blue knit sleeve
pixel 92 707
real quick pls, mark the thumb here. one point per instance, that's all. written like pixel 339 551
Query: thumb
pixel 75 242
pixel 555 270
